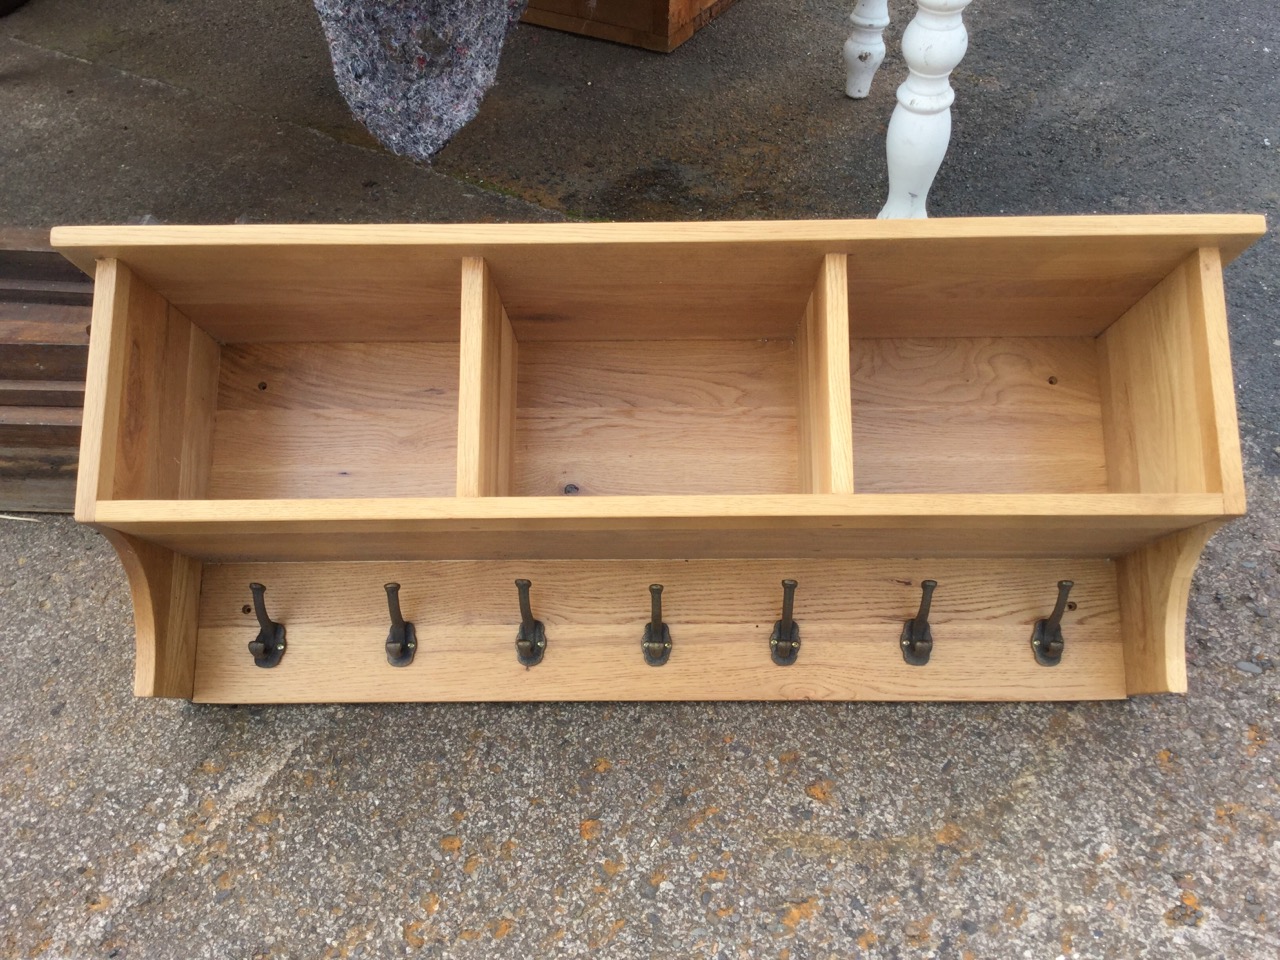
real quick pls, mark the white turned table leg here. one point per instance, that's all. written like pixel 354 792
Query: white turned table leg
pixel 864 50
pixel 933 44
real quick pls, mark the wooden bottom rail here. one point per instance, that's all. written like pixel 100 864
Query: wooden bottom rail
pixel 720 614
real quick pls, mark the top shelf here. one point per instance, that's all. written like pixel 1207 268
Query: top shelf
pixel 735 280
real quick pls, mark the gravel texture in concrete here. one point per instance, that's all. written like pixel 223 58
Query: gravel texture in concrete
pixel 1120 830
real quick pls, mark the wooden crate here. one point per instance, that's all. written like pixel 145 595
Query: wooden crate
pixel 996 405
pixel 660 25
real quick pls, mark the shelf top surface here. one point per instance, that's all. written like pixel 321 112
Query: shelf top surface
pixel 619 510
pixel 1231 232
pixel 267 282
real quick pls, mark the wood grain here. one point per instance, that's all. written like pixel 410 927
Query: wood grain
pixel 720 614
pixel 747 280
pixel 822 343
pixel 487 392
pixel 1215 384
pixel 1168 398
pixel 864 525
pixel 42 393
pixel 165 589
pixel 166 407
pixel 39 426
pixel 979 415
pixel 335 420
pixel 657 417
pixel 658 25
pixel 1154 583
pixel 104 385
pixel 38 479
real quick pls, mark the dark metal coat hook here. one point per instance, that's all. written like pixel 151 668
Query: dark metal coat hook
pixel 402 641
pixel 657 635
pixel 917 638
pixel 784 645
pixel 1046 637
pixel 268 648
pixel 531 641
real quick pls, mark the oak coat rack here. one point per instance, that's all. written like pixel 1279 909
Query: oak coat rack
pixel 386 426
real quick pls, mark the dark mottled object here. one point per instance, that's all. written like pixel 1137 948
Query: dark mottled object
pixel 414 71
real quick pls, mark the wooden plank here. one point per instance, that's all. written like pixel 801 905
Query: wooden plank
pixel 148 409
pixel 657 417
pixel 103 387
pixel 980 415
pixel 32 493
pixel 165 588
pixel 24 289
pixel 38 479
pixel 45 323
pixel 169 363
pixel 1211 352
pixel 24 238
pixel 27 361
pixel 720 613
pixel 814 525
pixel 42 393
pixel 486 387
pixel 822 343
pixel 335 419
pixel 994 276
pixel 39 426
pixel 641 16
pixel 43 355
pixel 1154 583
pixel 1169 409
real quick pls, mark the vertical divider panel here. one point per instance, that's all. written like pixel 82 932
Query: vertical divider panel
pixel 486 387
pixel 150 398
pixel 825 407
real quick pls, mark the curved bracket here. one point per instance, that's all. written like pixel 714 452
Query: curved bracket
pixel 165 588
pixel 1154 584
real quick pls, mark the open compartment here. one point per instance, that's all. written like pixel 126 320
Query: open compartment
pixel 310 420
pixel 698 388
pixel 999 368
pixel 317 381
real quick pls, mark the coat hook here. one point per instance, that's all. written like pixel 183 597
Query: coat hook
pixel 402 641
pixel 784 645
pixel 657 635
pixel 1046 638
pixel 268 649
pixel 531 641
pixel 917 638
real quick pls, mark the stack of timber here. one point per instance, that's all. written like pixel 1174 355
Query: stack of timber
pixel 45 309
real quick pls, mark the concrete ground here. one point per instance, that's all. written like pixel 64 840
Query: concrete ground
pixel 158 829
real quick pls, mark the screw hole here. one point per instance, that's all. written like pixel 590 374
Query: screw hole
pixel 570 489
pixel 246 609
pixel 1071 604
pixel 262 385
pixel 1053 381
